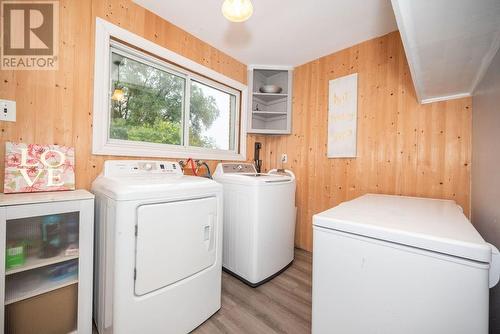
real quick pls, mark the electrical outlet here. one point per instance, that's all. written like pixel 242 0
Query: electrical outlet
pixel 7 110
pixel 284 158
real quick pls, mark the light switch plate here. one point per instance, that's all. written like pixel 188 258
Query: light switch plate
pixel 7 110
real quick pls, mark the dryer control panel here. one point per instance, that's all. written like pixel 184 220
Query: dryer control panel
pixel 138 167
pixel 234 167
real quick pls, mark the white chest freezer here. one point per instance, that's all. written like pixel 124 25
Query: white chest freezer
pixel 392 264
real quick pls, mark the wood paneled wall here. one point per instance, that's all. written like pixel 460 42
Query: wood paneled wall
pixel 56 106
pixel 403 148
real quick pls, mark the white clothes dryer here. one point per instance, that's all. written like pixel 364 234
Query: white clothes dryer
pixel 158 248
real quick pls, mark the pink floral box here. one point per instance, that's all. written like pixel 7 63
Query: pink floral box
pixel 33 168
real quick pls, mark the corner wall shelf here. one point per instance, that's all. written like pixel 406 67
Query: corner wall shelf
pixel 270 113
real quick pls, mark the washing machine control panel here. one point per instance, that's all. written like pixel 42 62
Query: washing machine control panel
pixel 138 167
pixel 229 168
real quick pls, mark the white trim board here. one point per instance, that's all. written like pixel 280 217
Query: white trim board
pixel 101 145
pixel 445 98
pixel 270 67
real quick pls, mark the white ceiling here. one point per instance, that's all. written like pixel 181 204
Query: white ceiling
pixel 449 44
pixel 281 32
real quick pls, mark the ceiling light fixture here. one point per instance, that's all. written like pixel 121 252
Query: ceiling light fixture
pixel 237 10
pixel 118 93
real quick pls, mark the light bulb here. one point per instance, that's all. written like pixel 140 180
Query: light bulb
pixel 237 10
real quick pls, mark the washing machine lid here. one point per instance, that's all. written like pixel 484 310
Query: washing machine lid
pixel 254 178
pixel 245 173
pixel 430 224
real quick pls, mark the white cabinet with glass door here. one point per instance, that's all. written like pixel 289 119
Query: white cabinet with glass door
pixel 47 261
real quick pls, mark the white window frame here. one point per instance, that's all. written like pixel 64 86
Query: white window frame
pixel 103 145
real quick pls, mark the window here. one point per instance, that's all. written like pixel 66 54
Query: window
pixel 153 107
pixel 212 117
pixel 146 102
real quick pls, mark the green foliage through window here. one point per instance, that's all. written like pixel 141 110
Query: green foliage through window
pixel 147 105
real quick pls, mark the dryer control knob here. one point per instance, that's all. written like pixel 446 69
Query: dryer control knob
pixel 148 166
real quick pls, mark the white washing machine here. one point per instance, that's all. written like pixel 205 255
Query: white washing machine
pixel 259 221
pixel 394 264
pixel 158 248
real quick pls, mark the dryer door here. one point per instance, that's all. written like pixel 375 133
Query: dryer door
pixel 175 240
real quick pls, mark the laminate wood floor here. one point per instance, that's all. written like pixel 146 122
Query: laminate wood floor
pixel 282 305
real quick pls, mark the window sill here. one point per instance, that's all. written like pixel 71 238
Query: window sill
pixel 139 149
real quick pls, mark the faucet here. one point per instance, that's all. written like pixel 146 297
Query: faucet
pixel 256 160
